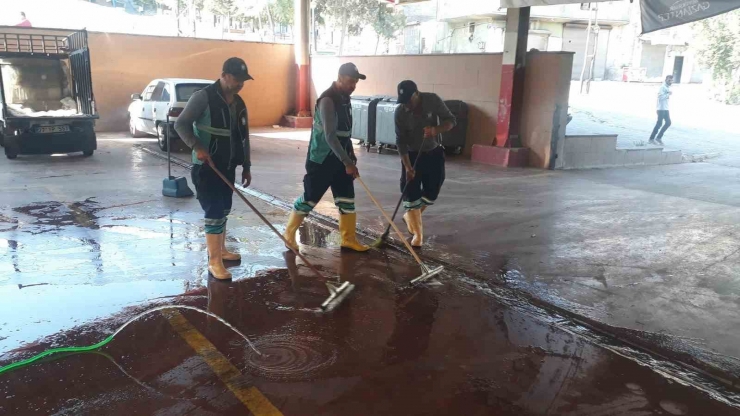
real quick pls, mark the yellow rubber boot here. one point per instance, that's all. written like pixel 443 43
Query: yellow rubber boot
pixel 215 262
pixel 225 253
pixel 407 221
pixel 294 221
pixel 347 227
pixel 417 228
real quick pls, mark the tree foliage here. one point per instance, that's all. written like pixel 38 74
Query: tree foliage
pixel 223 7
pixel 282 11
pixel 386 22
pixel 352 16
pixel 719 50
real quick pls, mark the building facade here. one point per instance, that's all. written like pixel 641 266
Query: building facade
pixel 608 31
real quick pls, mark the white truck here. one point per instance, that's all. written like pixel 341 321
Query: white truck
pixel 46 98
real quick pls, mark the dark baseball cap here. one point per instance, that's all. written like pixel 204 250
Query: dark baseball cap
pixel 238 68
pixel 405 90
pixel 350 69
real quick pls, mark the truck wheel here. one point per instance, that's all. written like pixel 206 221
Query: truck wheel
pixel 132 128
pixel 11 153
pixel 2 140
pixel 161 137
pixel 88 153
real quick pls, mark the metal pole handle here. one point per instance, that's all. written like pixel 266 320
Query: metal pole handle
pixel 169 159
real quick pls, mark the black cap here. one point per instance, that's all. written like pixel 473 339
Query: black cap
pixel 405 90
pixel 350 69
pixel 237 68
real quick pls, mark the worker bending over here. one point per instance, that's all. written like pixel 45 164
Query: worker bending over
pixel 331 160
pixel 421 118
pixel 215 124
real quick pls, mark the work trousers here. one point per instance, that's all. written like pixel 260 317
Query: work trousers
pixel 663 116
pixel 214 196
pixel 430 175
pixel 322 176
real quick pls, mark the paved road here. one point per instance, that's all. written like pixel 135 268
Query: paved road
pixel 700 126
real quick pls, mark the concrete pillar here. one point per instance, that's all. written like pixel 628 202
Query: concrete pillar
pixel 511 93
pixel 302 57
pixel 302 117
pixel 506 149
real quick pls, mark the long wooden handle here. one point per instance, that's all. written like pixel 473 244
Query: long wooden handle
pixel 246 201
pixel 393 224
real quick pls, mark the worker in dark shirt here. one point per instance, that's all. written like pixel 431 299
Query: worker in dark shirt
pixel 421 118
pixel 331 160
pixel 215 124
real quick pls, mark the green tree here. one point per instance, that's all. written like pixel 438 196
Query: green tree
pixel 222 7
pixel 719 50
pixel 386 22
pixel 282 11
pixel 350 15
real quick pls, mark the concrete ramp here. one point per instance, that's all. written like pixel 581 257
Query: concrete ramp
pixel 601 151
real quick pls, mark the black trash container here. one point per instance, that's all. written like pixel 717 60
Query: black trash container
pixel 454 140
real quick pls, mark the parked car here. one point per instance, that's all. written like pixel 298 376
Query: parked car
pixel 148 111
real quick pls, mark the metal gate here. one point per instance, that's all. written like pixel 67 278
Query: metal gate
pixel 81 73
pixel 574 40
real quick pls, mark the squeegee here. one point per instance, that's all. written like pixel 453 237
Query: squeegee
pixel 338 290
pixel 426 271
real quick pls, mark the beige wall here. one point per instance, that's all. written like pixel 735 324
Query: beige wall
pixel 124 64
pixel 472 78
pixel 546 89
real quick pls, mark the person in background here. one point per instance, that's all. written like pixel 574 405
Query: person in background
pixel 24 22
pixel 664 116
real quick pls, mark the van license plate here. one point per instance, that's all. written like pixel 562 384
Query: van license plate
pixel 52 129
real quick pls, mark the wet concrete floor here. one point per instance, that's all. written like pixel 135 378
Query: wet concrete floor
pixel 82 255
pixel 647 253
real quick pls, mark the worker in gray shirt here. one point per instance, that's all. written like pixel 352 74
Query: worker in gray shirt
pixel 331 160
pixel 215 124
pixel 421 118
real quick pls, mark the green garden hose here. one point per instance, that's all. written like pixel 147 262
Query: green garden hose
pixel 102 343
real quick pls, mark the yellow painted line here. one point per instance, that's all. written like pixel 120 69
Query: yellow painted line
pixel 255 401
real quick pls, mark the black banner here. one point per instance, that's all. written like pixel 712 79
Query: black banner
pixel 661 14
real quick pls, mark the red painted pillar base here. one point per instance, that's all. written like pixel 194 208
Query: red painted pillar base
pixel 505 99
pixel 303 92
pixel 507 150
pixel 302 117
